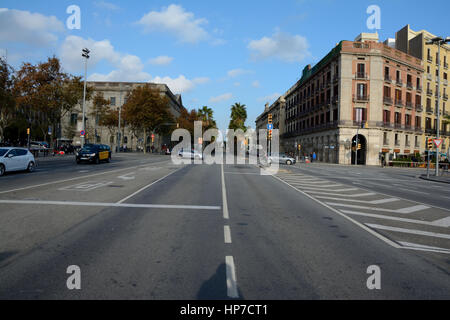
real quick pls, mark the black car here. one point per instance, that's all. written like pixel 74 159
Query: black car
pixel 94 153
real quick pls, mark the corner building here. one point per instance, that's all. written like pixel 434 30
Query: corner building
pixel 363 89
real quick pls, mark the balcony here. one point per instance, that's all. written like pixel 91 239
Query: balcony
pixel 445 96
pixel 361 76
pixel 429 92
pixel 399 103
pixel 386 124
pixel 387 100
pixel 445 82
pixel 409 85
pixel 419 108
pixel 385 142
pixel 409 105
pixel 445 65
pixel 387 78
pixel 429 76
pixel 419 88
pixel 398 125
pixel 397 143
pixel 430 110
pixel 430 131
pixel 429 59
pixel 399 83
pixel 418 129
pixel 360 98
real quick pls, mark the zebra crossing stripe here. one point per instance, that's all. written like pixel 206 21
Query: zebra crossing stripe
pixel 360 201
pixel 409 231
pixel 403 210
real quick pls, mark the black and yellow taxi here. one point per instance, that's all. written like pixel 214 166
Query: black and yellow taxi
pixel 94 153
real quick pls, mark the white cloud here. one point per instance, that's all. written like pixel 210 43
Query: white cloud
pixel 270 98
pixel 161 61
pixel 106 5
pixel 130 68
pixel 283 46
pixel 237 72
pixel 237 84
pixel 221 98
pixel 256 84
pixel 175 20
pixel 70 53
pixel 29 28
pixel 180 84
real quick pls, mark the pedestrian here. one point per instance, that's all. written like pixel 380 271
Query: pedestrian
pixel 382 161
pixel 311 157
pixel 314 156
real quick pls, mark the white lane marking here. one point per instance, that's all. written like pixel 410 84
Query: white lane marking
pixel 380 216
pixel 148 186
pixel 325 189
pixel 444 222
pixel 409 231
pixel 244 173
pixel 361 225
pixel 106 204
pixel 410 190
pixel 342 194
pixel 232 290
pixel 410 245
pixel 227 234
pixel 403 210
pixel 361 201
pixel 224 196
pixel 72 179
pixel 320 184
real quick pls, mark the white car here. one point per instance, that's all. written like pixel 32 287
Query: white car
pixel 192 154
pixel 16 159
pixel 282 158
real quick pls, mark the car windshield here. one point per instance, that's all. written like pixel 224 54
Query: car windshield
pixel 89 149
pixel 3 152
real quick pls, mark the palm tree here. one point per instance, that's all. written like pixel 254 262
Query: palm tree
pixel 206 114
pixel 238 116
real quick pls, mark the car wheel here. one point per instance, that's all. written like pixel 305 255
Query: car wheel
pixel 97 160
pixel 2 170
pixel 289 162
pixel 31 167
pixel 108 160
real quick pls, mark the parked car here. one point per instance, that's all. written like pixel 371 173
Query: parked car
pixel 16 159
pixel 282 158
pixel 192 154
pixel 93 153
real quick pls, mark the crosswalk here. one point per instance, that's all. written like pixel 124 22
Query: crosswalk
pixel 408 224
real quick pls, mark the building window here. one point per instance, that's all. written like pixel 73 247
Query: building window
pixel 361 91
pixel 113 101
pixel 361 71
pixel 385 139
pixel 386 116
pixel 74 119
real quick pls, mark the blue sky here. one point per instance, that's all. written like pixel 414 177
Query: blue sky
pixel 214 53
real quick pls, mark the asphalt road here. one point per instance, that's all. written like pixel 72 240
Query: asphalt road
pixel 142 227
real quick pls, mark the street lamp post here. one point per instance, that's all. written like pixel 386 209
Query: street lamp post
pixel 85 54
pixel 439 41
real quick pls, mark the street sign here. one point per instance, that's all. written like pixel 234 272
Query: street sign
pixel 270 126
pixel 49 131
pixel 82 133
pixel 437 142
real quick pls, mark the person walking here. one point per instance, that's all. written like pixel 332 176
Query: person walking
pixel 382 161
pixel 314 157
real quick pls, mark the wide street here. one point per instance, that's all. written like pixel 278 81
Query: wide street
pixel 142 227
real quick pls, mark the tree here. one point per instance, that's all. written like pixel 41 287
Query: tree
pixel 147 110
pixel 7 102
pixel 101 112
pixel 206 115
pixel 44 93
pixel 238 117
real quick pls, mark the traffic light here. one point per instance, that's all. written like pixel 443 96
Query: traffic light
pixel 359 146
pixel 299 147
pixel 28 131
pixel 430 143
pixel 270 118
pixel 270 134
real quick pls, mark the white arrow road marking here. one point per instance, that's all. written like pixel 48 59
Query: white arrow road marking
pixel 409 231
pixel 127 176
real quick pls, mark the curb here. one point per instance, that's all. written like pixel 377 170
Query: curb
pixel 434 180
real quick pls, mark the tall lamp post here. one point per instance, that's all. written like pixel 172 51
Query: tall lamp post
pixel 439 42
pixel 85 54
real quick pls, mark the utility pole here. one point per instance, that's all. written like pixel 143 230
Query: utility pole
pixel 85 55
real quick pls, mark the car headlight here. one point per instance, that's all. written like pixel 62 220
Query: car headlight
pixel 92 155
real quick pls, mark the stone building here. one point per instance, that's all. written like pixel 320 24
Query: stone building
pixel 116 93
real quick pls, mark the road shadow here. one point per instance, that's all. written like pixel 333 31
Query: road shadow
pixel 6 254
pixel 215 288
